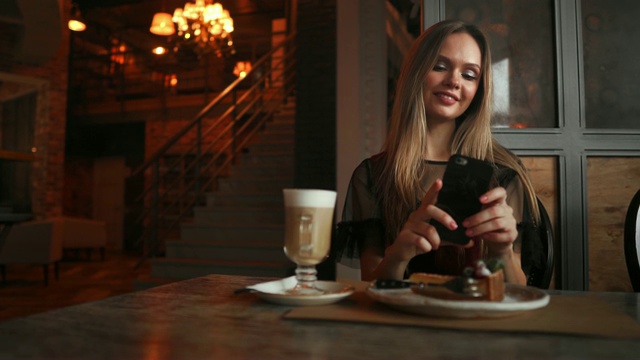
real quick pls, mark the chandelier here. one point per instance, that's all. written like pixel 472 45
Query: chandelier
pixel 204 26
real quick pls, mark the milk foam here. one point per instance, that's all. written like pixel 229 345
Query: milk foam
pixel 309 198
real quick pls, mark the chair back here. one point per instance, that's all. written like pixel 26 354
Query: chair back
pixel 548 245
pixel 632 241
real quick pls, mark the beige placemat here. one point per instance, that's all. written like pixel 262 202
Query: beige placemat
pixel 576 315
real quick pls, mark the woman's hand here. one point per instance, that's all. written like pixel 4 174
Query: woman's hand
pixel 495 223
pixel 417 236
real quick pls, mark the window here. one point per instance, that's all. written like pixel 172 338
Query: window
pixel 611 57
pixel 521 36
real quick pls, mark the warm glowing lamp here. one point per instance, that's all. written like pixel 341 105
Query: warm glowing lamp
pixel 75 25
pixel 207 26
pixel 159 50
pixel 75 21
pixel 162 24
pixel 242 68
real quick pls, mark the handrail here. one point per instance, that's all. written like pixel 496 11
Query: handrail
pixel 220 119
pixel 16 155
pixel 177 176
pixel 209 106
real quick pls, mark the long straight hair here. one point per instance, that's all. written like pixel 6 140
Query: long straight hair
pixel 403 165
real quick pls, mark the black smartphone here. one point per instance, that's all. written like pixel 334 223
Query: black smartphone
pixel 464 180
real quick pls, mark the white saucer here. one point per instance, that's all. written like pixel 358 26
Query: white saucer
pixel 517 299
pixel 276 292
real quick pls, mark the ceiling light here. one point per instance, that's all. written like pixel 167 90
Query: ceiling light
pixel 159 50
pixel 162 24
pixel 76 23
pixel 206 26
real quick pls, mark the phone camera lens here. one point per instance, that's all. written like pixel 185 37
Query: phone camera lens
pixel 461 161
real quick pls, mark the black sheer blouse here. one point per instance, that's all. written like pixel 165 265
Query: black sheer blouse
pixel 362 225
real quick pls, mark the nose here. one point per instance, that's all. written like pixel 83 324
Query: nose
pixel 453 80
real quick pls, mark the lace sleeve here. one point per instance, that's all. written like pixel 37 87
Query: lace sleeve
pixel 361 224
pixel 353 236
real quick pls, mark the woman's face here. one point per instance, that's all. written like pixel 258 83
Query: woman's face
pixel 452 83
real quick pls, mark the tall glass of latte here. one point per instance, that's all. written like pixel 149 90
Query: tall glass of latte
pixel 307 233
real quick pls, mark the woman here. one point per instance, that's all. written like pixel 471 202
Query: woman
pixel 442 107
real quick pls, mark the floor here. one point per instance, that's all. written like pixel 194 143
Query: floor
pixel 83 278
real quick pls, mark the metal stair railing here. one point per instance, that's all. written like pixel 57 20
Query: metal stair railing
pixel 178 175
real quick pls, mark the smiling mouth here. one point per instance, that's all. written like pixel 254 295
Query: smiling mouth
pixel 447 97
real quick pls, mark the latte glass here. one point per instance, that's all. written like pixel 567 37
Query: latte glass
pixel 307 233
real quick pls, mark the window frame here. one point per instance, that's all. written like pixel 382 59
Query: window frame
pixel 571 142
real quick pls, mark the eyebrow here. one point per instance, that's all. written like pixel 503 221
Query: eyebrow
pixel 442 57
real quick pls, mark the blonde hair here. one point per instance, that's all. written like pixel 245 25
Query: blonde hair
pixel 403 166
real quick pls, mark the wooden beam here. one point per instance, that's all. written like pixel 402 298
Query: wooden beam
pixel 16 156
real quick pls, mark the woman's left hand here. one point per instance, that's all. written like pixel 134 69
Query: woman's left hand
pixel 495 223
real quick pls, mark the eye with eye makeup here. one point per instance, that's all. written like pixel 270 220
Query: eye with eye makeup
pixel 470 75
pixel 439 67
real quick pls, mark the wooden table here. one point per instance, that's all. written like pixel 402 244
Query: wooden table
pixel 201 318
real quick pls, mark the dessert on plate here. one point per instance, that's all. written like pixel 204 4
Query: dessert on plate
pixel 484 281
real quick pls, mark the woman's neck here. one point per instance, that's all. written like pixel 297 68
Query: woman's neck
pixel 439 138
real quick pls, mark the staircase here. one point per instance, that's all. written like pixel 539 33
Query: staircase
pixel 240 228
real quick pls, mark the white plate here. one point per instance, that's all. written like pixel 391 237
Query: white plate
pixel 518 298
pixel 276 292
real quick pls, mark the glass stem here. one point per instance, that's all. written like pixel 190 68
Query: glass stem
pixel 306 276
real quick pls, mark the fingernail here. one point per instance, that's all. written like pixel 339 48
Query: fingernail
pixel 453 225
pixel 469 232
pixel 483 198
pixel 465 223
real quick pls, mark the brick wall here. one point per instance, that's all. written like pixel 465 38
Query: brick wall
pixel 49 139
pixel 315 163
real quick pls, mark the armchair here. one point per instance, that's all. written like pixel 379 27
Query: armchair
pixel 33 242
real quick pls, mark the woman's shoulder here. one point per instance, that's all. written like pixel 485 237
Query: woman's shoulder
pixel 371 164
pixel 377 158
pixel 364 172
pixel 377 162
pixel 373 159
